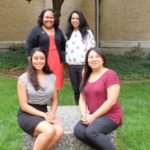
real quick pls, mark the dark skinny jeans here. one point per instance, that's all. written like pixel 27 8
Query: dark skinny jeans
pixel 94 134
pixel 75 74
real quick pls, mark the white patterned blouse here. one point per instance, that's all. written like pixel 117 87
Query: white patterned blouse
pixel 76 47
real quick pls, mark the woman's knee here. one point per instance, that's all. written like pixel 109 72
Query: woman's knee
pixel 91 132
pixel 45 129
pixel 59 129
pixel 79 129
pixel 49 133
pixel 76 130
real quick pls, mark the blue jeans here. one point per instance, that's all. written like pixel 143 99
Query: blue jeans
pixel 94 134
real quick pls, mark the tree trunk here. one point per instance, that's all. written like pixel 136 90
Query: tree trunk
pixel 57 7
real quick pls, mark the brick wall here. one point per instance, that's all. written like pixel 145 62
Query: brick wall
pixel 17 18
pixel 121 20
pixel 126 20
pixel 86 6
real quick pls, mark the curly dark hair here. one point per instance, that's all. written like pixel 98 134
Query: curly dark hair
pixel 40 18
pixel 83 27
pixel 32 74
pixel 87 69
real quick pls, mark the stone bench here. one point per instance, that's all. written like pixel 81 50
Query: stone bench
pixel 69 115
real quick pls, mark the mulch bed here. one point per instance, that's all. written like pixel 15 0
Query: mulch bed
pixel 13 73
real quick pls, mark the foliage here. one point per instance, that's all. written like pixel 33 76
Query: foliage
pixel 15 57
pixel 148 56
pixel 19 47
pixel 135 52
pixel 128 68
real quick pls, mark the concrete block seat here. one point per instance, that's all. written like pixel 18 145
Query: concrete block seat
pixel 69 115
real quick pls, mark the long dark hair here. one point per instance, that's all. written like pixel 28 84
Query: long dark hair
pixel 87 70
pixel 83 27
pixel 40 18
pixel 32 74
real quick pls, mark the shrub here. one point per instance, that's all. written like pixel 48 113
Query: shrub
pixel 135 52
pixel 14 58
pixel 17 48
pixel 148 56
pixel 128 68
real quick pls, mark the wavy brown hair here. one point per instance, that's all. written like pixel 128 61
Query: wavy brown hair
pixel 32 74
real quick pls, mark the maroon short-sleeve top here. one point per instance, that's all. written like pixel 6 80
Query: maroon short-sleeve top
pixel 96 94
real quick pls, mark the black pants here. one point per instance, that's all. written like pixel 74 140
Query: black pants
pixel 75 73
pixel 94 134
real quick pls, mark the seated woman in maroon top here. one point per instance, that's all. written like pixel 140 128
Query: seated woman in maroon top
pixel 100 110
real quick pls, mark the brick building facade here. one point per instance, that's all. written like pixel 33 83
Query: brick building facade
pixel 122 23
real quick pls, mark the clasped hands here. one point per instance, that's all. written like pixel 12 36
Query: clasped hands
pixel 87 118
pixel 50 117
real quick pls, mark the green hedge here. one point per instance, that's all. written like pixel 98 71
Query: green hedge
pixel 133 65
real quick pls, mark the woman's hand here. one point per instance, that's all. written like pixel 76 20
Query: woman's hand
pixel 84 116
pixel 88 119
pixel 53 121
pixel 45 116
pixel 51 115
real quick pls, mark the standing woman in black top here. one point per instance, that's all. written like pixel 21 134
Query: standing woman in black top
pixel 49 36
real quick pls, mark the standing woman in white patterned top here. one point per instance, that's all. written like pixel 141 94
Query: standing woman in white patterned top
pixel 79 40
pixel 36 88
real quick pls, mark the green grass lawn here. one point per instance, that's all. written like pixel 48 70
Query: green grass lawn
pixel 133 135
pixel 135 132
pixel 10 133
